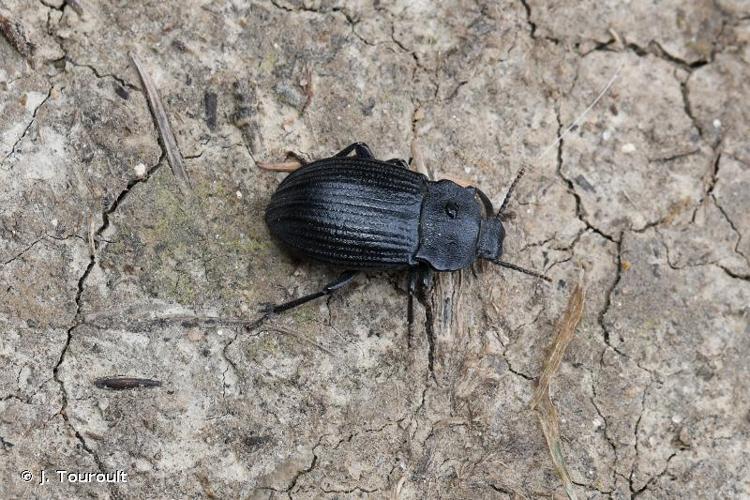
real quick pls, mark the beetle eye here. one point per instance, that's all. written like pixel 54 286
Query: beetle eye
pixel 451 209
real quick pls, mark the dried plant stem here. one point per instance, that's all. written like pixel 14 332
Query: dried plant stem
pixel 165 129
pixel 542 402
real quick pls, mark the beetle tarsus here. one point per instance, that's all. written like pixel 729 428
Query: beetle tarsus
pixel 522 270
pixel 266 308
pixel 361 150
pixel 340 282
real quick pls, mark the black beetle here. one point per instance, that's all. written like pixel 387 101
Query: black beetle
pixel 360 213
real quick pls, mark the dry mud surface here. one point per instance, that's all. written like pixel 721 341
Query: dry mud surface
pixel 336 400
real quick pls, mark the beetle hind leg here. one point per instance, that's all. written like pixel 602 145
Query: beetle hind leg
pixel 340 282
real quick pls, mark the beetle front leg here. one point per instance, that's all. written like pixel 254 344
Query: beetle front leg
pixel 361 150
pixel 331 287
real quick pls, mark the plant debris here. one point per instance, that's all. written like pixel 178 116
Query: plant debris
pixel 542 402
pixel 165 129
pixel 14 32
pixel 124 383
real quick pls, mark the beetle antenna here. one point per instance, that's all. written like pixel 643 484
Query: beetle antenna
pixel 512 187
pixel 522 270
pixel 560 137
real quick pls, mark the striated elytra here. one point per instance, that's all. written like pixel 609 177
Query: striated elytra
pixel 360 213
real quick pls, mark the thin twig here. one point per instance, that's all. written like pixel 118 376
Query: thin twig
pixel 284 166
pixel 286 331
pixel 99 319
pixel 195 320
pixel 165 130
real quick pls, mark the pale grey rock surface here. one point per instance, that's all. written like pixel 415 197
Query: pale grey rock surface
pixel 337 399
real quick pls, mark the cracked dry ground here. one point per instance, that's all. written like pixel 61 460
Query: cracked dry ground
pixel 651 195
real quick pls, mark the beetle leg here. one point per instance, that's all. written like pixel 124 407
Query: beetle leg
pixel 361 150
pixel 420 283
pixel 340 282
pixel 410 305
pixel 424 281
pixel 399 162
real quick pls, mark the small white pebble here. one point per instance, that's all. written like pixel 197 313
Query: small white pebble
pixel 140 170
pixel 597 423
pixel 54 222
pixel 606 135
pixel 628 148
pixel 219 332
pixel 239 194
pixel 467 170
pixel 676 419
pixel 717 123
